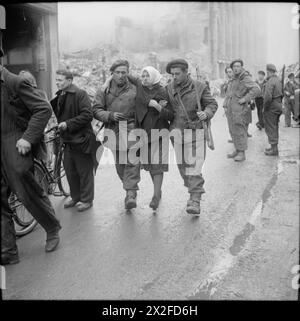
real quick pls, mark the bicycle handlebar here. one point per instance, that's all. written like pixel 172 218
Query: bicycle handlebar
pixel 51 129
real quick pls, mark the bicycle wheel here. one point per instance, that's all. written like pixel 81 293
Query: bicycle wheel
pixel 62 181
pixel 24 221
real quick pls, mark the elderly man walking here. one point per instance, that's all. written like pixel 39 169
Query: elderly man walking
pixel 273 95
pixel 115 107
pixel 240 92
pixel 193 105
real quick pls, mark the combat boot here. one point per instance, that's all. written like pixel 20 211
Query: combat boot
pixel 273 151
pixel 193 204
pixel 240 157
pixel 130 199
pixel 232 155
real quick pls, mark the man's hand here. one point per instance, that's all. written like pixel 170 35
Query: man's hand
pixel 202 115
pixel 118 116
pixel 23 146
pixel 62 126
pixel 241 101
pixel 163 103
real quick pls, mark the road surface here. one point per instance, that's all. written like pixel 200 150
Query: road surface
pixel 243 246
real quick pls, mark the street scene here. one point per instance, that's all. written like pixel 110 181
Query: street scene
pixel 215 216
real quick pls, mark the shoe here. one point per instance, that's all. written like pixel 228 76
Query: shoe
pixel 232 155
pixel 287 126
pixel 155 202
pixel 52 240
pixel 296 126
pixel 249 135
pixel 84 206
pixel 259 126
pixel 272 152
pixel 240 157
pixel 193 206
pixel 130 199
pixel 230 141
pixel 268 149
pixel 7 258
pixel 70 203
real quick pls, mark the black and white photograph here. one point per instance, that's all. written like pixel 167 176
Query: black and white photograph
pixel 150 153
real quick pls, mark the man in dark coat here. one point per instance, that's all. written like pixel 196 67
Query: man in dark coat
pixel 241 90
pixel 188 121
pixel 74 114
pixel 259 100
pixel 272 109
pixel 116 109
pixel 24 115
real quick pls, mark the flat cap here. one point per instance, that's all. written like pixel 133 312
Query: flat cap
pixel 176 63
pixel 118 63
pixel 271 67
pixel 236 60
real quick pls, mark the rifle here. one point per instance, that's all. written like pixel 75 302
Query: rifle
pixel 282 79
pixel 206 125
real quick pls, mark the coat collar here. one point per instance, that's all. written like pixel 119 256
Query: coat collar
pixel 71 89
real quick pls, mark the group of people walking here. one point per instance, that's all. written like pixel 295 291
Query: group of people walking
pixel 180 112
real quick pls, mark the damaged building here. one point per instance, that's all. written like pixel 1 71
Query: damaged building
pixel 30 41
pixel 208 34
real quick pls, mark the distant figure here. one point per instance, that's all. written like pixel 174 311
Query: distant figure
pixel 259 100
pixel 272 109
pixel 229 76
pixel 289 99
pixel 241 90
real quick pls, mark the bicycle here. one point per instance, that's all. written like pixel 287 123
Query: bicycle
pixel 50 177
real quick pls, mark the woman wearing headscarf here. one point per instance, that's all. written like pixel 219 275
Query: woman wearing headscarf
pixel 153 111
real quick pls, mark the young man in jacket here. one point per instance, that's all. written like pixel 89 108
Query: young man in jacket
pixel 74 114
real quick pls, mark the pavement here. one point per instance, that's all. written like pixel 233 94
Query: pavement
pixel 243 246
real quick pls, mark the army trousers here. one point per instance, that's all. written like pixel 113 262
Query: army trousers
pixel 128 172
pixel 271 120
pixel 190 156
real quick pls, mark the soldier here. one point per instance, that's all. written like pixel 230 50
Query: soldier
pixel 183 92
pixel 224 87
pixel 24 115
pixel 272 109
pixel 115 107
pixel 289 98
pixel 242 89
pixel 259 100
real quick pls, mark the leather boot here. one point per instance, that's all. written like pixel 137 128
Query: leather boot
pixel 52 240
pixel 130 199
pixel 70 203
pixel 84 206
pixel 232 155
pixel 193 204
pixel 273 151
pixel 240 157
pixel 7 258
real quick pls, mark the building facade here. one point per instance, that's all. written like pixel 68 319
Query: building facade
pixel 30 41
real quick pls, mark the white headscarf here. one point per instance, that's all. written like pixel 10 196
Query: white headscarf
pixel 155 76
